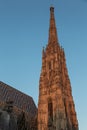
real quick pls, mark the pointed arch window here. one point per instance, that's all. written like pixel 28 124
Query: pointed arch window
pixel 50 112
pixel 49 64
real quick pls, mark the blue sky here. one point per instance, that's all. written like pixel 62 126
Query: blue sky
pixel 24 28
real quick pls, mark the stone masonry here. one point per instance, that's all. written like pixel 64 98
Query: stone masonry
pixel 56 109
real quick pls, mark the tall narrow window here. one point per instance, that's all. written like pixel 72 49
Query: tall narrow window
pixel 49 65
pixel 50 113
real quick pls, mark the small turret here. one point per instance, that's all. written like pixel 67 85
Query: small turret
pixel 43 52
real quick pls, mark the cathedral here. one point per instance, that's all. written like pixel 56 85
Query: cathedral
pixel 56 108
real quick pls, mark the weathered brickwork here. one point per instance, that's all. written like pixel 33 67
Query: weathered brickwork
pixel 56 109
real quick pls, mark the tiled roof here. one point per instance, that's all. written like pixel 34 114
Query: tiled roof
pixel 21 100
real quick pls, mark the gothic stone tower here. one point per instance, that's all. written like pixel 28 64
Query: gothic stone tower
pixel 56 109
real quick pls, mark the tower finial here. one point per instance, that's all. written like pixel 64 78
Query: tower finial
pixel 52 8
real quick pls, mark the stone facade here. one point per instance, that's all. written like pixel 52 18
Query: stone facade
pixel 56 109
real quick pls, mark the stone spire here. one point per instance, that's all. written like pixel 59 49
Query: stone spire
pixel 52 28
pixel 56 109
